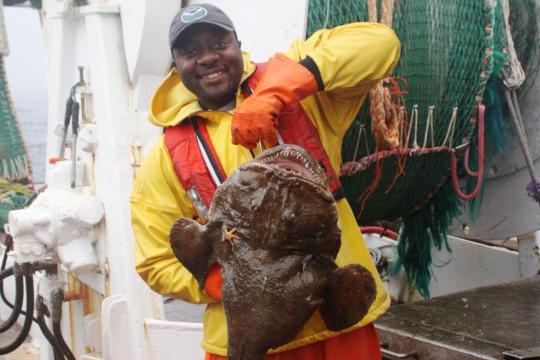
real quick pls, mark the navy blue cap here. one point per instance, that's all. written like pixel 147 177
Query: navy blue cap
pixel 197 14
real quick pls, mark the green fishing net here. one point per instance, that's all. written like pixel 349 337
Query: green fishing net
pixel 447 58
pixel 14 163
pixel 13 196
pixel 524 19
pixel 443 46
pixel 15 169
pixel 34 3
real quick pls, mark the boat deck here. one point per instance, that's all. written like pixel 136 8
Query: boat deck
pixel 494 322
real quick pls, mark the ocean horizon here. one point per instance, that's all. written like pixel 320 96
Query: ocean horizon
pixel 31 113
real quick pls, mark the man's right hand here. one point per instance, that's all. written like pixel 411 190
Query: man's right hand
pixel 285 81
pixel 253 121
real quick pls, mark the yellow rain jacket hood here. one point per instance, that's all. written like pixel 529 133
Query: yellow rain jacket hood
pixel 350 58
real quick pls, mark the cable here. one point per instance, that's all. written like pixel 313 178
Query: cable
pixel 57 330
pixel 40 320
pixel 6 273
pixel 2 294
pixel 533 189
pixel 2 268
pixel 40 308
pixel 57 298
pixel 29 282
pixel 19 293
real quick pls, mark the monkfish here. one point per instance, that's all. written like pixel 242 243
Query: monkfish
pixel 273 227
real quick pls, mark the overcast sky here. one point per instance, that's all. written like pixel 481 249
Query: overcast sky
pixel 25 64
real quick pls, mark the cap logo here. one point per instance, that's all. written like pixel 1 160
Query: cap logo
pixel 193 13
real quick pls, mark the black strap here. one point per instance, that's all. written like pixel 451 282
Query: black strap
pixel 245 87
pixel 206 147
pixel 338 193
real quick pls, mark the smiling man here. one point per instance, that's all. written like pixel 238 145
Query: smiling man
pixel 216 106
pixel 209 59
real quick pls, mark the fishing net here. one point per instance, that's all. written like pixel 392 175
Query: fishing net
pixel 13 196
pixel 34 3
pixel 443 45
pixel 14 161
pixel 524 18
pixel 447 58
pixel 524 22
pixel 15 168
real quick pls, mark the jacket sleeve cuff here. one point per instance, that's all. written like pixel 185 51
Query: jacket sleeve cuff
pixel 309 64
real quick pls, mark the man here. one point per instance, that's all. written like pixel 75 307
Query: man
pixel 325 79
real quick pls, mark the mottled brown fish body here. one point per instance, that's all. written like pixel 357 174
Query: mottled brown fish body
pixel 273 228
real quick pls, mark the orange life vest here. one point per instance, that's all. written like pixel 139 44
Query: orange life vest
pixel 198 167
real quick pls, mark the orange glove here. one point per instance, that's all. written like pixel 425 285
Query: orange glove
pixel 214 282
pixel 285 81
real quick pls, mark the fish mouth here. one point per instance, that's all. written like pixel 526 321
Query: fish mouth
pixel 294 161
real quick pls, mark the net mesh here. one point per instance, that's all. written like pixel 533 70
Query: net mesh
pixel 14 161
pixel 15 167
pixel 524 18
pixel 331 13
pixel 443 56
pixel 13 196
pixel 449 51
pixel 34 3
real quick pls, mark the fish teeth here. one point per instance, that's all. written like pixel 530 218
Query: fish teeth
pixel 293 155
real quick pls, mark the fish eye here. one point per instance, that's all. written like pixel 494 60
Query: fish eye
pixel 246 182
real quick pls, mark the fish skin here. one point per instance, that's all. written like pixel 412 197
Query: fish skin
pixel 273 227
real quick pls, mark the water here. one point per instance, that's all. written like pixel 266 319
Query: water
pixel 32 116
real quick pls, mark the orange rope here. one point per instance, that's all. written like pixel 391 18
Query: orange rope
pixel 402 156
pixel 387 11
pixel 387 110
pixel 384 119
pixel 371 188
pixel 372 10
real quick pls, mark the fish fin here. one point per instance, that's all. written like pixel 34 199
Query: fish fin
pixel 193 247
pixel 350 293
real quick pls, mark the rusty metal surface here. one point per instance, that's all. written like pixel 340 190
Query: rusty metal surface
pixel 475 324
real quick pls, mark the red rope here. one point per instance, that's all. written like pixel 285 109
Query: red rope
pixel 466 163
pixel 392 235
pixel 480 172
pixel 398 87
pixel 400 159
pixel 371 188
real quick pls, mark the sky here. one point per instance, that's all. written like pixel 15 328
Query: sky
pixel 26 62
pixel 26 75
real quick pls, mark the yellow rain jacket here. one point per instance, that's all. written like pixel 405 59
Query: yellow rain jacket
pixel 351 58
